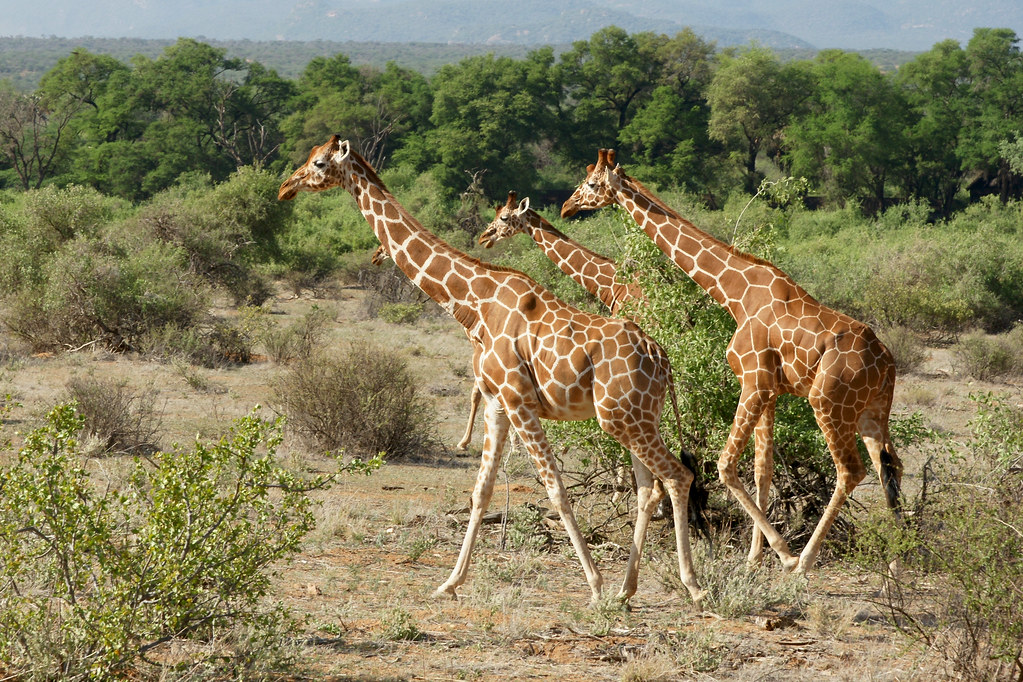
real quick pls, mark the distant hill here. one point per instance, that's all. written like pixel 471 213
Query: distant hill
pixel 913 25
pixel 24 60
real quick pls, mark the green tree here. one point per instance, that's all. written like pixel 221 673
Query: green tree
pixel 328 89
pixel 489 114
pixel 996 71
pixel 669 133
pixel 751 97
pixel 936 86
pixel 33 134
pixel 605 80
pixel 853 134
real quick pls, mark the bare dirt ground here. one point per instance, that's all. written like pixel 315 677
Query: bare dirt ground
pixel 385 542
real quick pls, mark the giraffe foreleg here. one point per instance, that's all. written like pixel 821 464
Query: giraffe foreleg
pixel 532 436
pixel 474 403
pixel 496 432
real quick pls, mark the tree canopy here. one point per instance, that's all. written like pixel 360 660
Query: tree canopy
pixel 939 129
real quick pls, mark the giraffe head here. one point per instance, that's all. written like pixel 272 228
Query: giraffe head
pixel 511 220
pixel 379 256
pixel 324 169
pixel 597 190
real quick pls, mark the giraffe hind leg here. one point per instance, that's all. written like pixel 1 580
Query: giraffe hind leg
pixel 648 495
pixel 841 439
pixel 763 473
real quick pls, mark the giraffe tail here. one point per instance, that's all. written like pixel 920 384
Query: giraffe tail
pixel 890 480
pixel 698 495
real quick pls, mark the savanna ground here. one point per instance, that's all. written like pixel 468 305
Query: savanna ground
pixel 384 542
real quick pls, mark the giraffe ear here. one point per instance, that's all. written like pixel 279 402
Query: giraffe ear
pixel 590 168
pixel 343 149
pixel 524 205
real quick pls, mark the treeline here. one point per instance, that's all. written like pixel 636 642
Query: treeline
pixel 24 60
pixel 942 130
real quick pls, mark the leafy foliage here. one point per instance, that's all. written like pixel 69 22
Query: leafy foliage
pixel 964 538
pixel 95 579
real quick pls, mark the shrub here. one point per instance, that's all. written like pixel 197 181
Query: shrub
pixel 39 221
pixel 209 343
pixel 102 291
pixel 98 578
pixel 400 313
pixel 364 401
pixel 985 358
pixel 906 347
pixel 297 340
pixel 964 540
pixel 120 418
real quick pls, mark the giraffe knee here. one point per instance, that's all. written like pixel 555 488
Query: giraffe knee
pixel 851 477
pixel 727 473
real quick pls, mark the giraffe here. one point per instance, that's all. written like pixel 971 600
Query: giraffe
pixel 378 258
pixel 785 342
pixel 596 273
pixel 534 357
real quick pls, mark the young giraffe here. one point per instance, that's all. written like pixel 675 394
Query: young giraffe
pixel 596 273
pixel 535 357
pixel 785 342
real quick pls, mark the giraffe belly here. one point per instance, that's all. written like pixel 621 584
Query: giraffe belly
pixel 573 402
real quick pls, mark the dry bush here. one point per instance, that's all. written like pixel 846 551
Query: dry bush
pixel 990 357
pixel 286 343
pixel 906 346
pixel 117 416
pixel 364 400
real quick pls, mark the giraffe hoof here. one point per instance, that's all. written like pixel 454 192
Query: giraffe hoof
pixel 444 592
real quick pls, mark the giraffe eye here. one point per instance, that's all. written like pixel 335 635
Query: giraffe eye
pixel 319 163
pixel 504 218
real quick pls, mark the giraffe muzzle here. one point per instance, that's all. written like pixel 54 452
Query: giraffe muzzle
pixel 287 191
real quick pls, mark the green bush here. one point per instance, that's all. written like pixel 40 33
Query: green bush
pixel 963 540
pixel 400 313
pixel 96 578
pixel 363 400
pixel 101 291
pixel 37 222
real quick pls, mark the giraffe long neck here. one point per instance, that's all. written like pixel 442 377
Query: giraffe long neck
pixel 596 273
pixel 442 272
pixel 712 264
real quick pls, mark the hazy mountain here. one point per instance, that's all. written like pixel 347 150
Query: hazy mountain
pixel 849 24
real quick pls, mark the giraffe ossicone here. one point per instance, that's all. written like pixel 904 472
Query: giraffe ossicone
pixel 785 342
pixel 534 358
